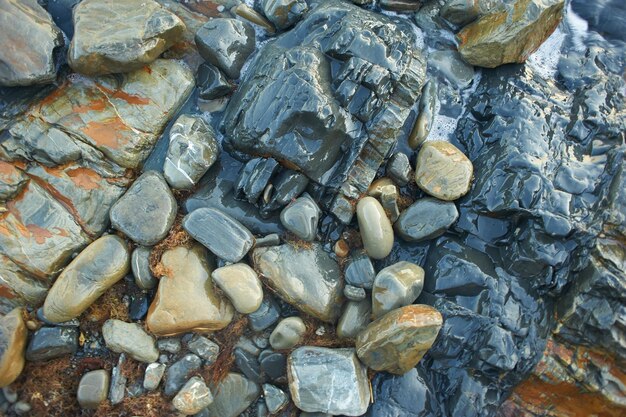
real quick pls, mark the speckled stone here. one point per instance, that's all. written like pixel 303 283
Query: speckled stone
pixel 398 340
pixel 443 171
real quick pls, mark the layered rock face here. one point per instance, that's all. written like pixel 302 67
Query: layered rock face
pixel 22 63
pixel 68 156
pixel 329 98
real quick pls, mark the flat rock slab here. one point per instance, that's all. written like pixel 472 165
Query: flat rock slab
pixel 146 212
pixel 509 34
pixel 112 36
pixel 307 278
pixel 13 334
pixel 29 37
pixel 331 381
pixel 398 340
pixel 185 299
pixel 220 233
pixel 86 278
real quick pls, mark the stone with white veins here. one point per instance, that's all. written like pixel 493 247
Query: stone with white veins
pixel 220 233
pixel 396 286
pixel 131 339
pixel 140 264
pixel 301 217
pixel 275 398
pixel 192 150
pixel 331 381
pixel 193 396
pixel 241 285
pixel 146 212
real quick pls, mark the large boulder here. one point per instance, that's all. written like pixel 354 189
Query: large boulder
pixel 334 126
pixel 112 36
pixel 29 39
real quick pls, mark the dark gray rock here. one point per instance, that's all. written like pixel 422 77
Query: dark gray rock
pixel 226 43
pixel 311 369
pixel 399 168
pixel 233 395
pixel 425 114
pixel 359 271
pixel 140 265
pixel 355 316
pixel 267 314
pixel 146 212
pixel 220 233
pixel 301 217
pixel 405 6
pixel 248 364
pixel 211 82
pixel 178 373
pixel 52 342
pixel 427 218
pixel 274 366
pixel 191 152
pixel 450 65
pixel 350 114
pixel 253 178
pixel 286 187
pixel 31 38
pixel 205 348
pixel 269 240
pixel 284 13
pixel 117 387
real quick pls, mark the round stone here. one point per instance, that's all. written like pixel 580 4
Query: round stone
pixel 396 286
pixel 375 228
pixel 93 388
pixel 288 333
pixel 425 219
pixel 443 171
pixel 241 285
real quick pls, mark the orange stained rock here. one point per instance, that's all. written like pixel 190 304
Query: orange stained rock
pixel 109 132
pixel 85 178
pixel 122 95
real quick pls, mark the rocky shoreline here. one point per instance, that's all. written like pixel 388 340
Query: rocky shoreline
pixel 224 208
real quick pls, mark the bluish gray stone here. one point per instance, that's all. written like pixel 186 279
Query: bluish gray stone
pixel 301 217
pixel 427 218
pixel 354 293
pixel 205 348
pixel 52 342
pixel 399 168
pixel 359 271
pixel 178 373
pixel 267 314
pixel 275 398
pixel 232 396
pixel 140 264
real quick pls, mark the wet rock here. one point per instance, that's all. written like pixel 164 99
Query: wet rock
pixel 248 364
pixel 359 271
pixel 146 212
pixel 121 118
pixel 286 187
pixel 140 264
pixel 401 5
pixel 233 395
pixel 120 36
pixel 204 348
pixel 269 240
pixel 93 388
pixel 369 99
pixel 138 307
pixel 396 286
pixel 443 171
pixel 178 373
pixel 266 315
pixel 18 288
pixel 389 202
pixel 375 228
pixel 51 234
pixel 376 188
pixel 153 375
pixel 284 13
pixel 192 151
pixel 354 293
pixel 307 278
pixel 86 278
pixel 185 299
pixel 52 342
pixel 170 345
pixel 241 285
pixel 226 43
pixel 509 35
pixel 193 397
pixel 131 339
pixel 220 233
pixel 301 217
pixel 12 181
pixel 399 168
pixel 254 178
pixel 13 335
pixel 355 316
pixel 462 12
pixel 451 66
pixel 273 366
pixel 310 370
pixel 425 114
pixel 275 398
pixel 211 82
pixel 427 218
pixel 398 340
pixel 118 382
pixel 288 333
pixel 30 38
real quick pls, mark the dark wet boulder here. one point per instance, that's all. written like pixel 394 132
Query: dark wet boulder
pixel 211 82
pixel 29 38
pixel 344 71
pixel 120 36
pixel 226 43
pixel 509 34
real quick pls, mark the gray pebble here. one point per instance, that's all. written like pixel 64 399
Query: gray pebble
pixel 354 293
